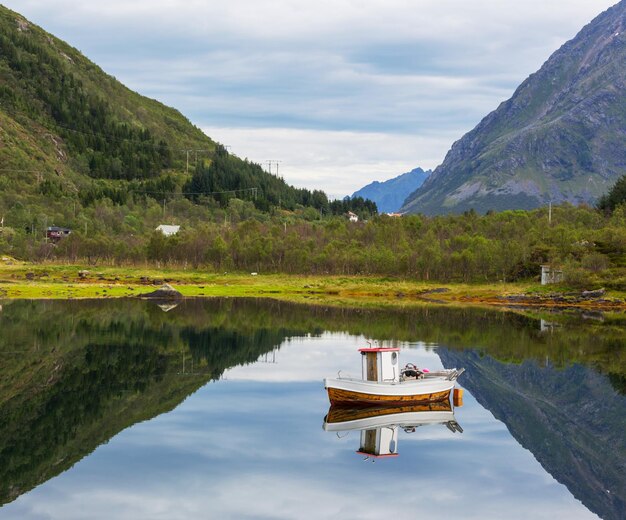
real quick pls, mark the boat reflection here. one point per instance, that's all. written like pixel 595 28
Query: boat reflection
pixel 379 427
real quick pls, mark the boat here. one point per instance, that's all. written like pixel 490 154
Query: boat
pixel 383 383
pixel 365 418
pixel 379 426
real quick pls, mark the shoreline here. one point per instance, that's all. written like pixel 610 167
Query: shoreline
pixel 54 281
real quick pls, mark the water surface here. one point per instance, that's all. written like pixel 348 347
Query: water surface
pixel 214 409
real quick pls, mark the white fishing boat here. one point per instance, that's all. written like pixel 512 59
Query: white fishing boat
pixel 383 383
pixel 379 427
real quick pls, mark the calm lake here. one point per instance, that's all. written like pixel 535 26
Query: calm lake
pixel 216 409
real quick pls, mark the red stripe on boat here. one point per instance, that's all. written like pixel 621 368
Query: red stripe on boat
pixel 377 456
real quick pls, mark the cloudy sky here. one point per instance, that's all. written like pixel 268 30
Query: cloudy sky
pixel 341 92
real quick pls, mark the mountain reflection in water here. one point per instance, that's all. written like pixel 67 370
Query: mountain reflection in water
pixel 76 373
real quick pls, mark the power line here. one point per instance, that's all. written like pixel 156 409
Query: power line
pixel 269 165
pixel 19 171
pixel 253 190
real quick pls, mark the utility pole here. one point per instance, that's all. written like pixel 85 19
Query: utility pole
pixel 196 155
pixel 187 167
pixel 550 213
pixel 269 165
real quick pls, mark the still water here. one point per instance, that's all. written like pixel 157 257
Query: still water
pixel 216 408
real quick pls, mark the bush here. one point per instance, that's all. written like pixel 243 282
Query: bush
pixel 577 277
pixel 595 262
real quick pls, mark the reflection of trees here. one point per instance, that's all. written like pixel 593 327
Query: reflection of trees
pixel 36 425
pixel 218 348
pixel 75 373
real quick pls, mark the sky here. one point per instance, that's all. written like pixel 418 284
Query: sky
pixel 252 446
pixel 336 93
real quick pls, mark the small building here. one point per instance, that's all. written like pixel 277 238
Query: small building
pixel 394 215
pixel 168 230
pixel 550 274
pixel 352 217
pixel 56 233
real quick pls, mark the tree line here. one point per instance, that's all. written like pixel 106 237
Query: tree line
pixel 505 246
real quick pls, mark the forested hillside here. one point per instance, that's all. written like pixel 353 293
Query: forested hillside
pixel 73 137
pixel 506 246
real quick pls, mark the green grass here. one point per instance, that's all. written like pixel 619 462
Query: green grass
pixel 55 281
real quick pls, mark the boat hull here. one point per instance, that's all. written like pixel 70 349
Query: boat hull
pixel 362 418
pixel 343 392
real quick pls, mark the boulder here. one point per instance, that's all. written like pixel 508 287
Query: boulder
pixel 594 294
pixel 165 292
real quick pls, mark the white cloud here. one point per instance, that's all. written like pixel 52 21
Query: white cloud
pixel 336 162
pixel 313 359
pixel 396 81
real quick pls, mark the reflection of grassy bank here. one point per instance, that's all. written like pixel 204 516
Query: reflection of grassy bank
pixel 74 373
pixel 64 282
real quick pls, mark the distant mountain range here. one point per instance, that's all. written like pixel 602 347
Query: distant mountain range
pixel 390 195
pixel 559 138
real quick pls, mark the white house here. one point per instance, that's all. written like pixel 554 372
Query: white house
pixel 168 230
pixel 352 217
pixel 550 274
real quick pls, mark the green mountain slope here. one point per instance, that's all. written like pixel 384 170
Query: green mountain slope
pixel 558 138
pixel 62 114
pixel 71 135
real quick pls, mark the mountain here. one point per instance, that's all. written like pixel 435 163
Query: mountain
pixel 72 135
pixel 559 138
pixel 389 195
pixel 566 417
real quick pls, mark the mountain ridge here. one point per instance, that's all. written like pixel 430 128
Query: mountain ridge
pixel 390 195
pixel 556 139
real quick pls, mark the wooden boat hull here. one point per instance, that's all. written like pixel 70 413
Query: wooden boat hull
pixel 349 392
pixel 343 414
pixel 345 419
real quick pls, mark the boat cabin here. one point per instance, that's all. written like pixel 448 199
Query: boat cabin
pixel 379 442
pixel 380 364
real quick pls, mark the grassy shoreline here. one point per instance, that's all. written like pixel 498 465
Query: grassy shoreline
pixel 55 281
